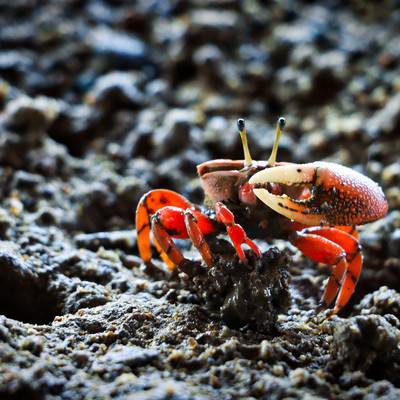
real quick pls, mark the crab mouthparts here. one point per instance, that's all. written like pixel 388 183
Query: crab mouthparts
pixel 296 191
pixel 289 190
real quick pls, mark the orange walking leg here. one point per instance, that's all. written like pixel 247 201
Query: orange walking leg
pixel 163 213
pixel 197 237
pixel 148 205
pixel 349 284
pixel 165 240
pixel 337 247
pixel 235 231
pixel 172 222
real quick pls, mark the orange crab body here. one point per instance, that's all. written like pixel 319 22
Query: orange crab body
pixel 322 203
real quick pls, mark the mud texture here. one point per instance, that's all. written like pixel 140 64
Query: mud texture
pixel 251 295
pixel 102 100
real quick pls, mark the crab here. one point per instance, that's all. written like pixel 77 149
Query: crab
pixel 321 204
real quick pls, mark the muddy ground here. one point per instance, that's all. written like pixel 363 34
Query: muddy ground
pixel 102 101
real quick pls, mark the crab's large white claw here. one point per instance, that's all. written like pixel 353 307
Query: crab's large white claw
pixel 292 209
pixel 290 174
pixel 286 174
pixel 339 196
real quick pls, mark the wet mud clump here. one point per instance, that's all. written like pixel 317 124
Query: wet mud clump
pixel 251 294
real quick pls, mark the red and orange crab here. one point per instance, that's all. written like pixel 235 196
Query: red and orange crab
pixel 322 202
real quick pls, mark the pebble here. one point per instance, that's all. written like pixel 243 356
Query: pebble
pixel 394 243
pixel 393 197
pixel 383 301
pixel 298 376
pixel 15 62
pixel 174 135
pixel 391 174
pixel 385 121
pixel 221 26
pixel 133 356
pixel 125 50
pixel 28 115
pixel 116 90
pixel 109 240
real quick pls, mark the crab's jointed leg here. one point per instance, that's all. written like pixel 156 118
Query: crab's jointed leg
pixel 332 246
pixel 162 212
pixel 148 205
pixel 235 231
pixel 172 222
pixel 197 236
pixel 163 237
pixel 163 255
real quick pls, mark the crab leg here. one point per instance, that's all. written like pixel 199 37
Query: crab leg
pixel 235 231
pixel 165 241
pixel 333 246
pixel 173 222
pixel 351 230
pixel 296 226
pixel 163 255
pixel 168 215
pixel 197 236
pixel 349 284
pixel 148 205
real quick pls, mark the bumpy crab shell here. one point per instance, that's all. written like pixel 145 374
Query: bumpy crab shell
pixel 338 195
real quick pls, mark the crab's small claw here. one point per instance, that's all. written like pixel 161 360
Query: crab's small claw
pixel 337 195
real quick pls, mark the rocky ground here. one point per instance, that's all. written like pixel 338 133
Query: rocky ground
pixel 103 100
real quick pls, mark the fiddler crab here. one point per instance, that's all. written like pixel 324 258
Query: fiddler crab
pixel 322 202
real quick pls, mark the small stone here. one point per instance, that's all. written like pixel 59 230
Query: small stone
pixel 15 61
pixel 132 356
pixel 383 301
pixel 115 90
pixel 207 55
pixel 208 59
pixel 214 25
pixel 109 240
pixel 5 223
pixel 25 180
pixel 138 142
pixel 32 344
pixel 174 135
pixel 81 357
pixel 25 114
pixel 394 243
pixel 393 197
pixel 278 370
pixel 298 376
pixel 316 141
pixel 391 174
pixel 128 193
pixel 387 120
pixel 123 49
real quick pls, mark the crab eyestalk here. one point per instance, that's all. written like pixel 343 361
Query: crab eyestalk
pixel 243 136
pixel 279 128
